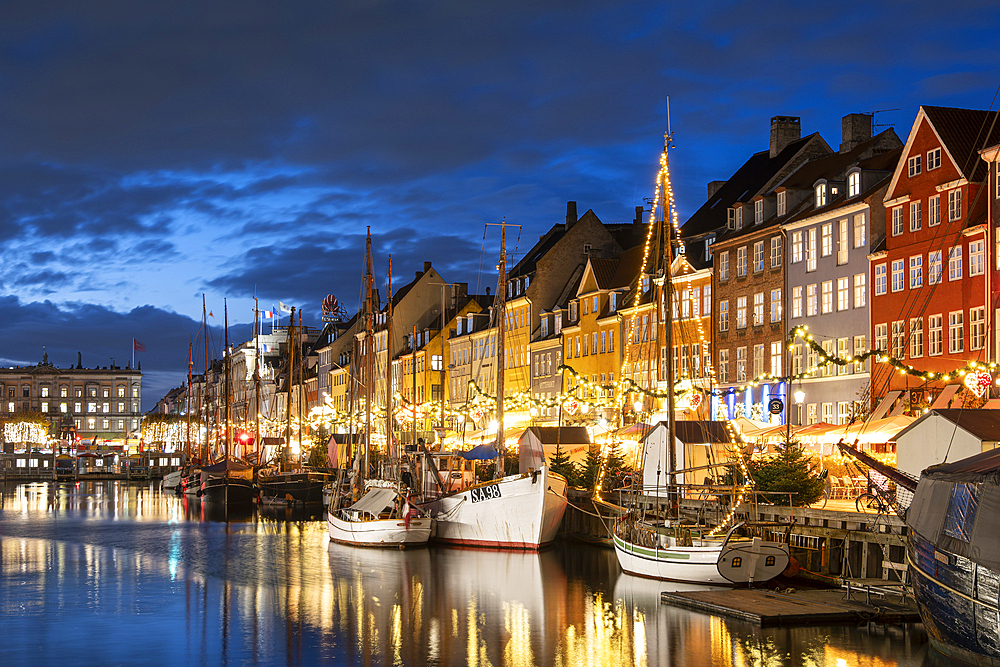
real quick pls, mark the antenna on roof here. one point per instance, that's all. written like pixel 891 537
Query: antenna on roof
pixel 874 124
pixel 668 138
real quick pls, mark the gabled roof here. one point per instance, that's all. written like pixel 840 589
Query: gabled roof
pixel 604 270
pixel 964 132
pixel 566 435
pixel 983 424
pixel 834 167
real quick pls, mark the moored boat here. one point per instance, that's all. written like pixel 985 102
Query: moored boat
pixel 380 518
pixel 228 481
pixel 301 487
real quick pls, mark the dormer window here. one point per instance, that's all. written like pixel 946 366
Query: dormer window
pixel 458 327
pixel 545 326
pixel 558 324
pixel 612 302
pixel 758 211
pixel 731 218
pixel 572 311
pixel 708 248
pixel 854 184
pixel 781 202
pixel 468 324
pixel 739 217
pixel 820 195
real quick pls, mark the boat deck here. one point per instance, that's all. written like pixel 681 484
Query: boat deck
pixel 809 607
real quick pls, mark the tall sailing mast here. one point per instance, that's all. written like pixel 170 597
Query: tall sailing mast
pixel 501 322
pixel 227 368
pixel 388 382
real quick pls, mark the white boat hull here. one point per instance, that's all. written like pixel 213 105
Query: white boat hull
pixel 688 564
pixel 173 479
pixel 517 512
pixel 392 533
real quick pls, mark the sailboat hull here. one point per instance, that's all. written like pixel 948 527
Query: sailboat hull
pixel 304 488
pixel 173 479
pixel 391 533
pixel 517 512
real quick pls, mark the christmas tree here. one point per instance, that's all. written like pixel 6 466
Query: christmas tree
pixel 789 471
pixel 559 463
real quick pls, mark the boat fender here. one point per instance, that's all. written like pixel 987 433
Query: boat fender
pixel 534 476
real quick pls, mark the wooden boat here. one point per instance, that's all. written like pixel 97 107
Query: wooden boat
pixel 301 487
pixel 228 481
pixel 380 518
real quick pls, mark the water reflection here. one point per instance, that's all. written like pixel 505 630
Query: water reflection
pixel 109 572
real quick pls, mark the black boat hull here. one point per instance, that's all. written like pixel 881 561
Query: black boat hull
pixel 228 491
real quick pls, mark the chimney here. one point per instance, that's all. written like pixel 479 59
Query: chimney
pixel 570 214
pixel 427 267
pixel 856 129
pixel 784 130
pixel 638 216
pixel 713 187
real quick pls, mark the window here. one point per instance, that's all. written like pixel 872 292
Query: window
pixel 758 360
pixel 811 250
pixel 934 267
pixel 758 309
pixel 916 272
pixel 827 243
pixel 829 351
pixel 977 258
pixel 775 252
pixel 935 335
pixel 843 293
pixel 854 184
pixel 934 211
pixel 586 308
pixel 758 211
pixel 604 342
pixel 898 339
pixel 797 359
pixel 897 220
pixel 781 203
pixel 695 302
pixel 843 412
pixel 914 216
pixel 821 195
pixel 741 364
pixel 611 341
pixel 842 243
pixel 811 300
pixel 880 279
pixel 706 301
pixel 956 332
pixel 758 256
pixel 613 296
pixel 796 247
pixel 686 304
pixel 954 205
pixel 739 217
pixel 775 305
pixel 843 353
pixel 860 234
pixel 916 337
pixel 797 301
pixel 859 349
pixel 827 302
pixel 977 328
pixel 881 338
pixel 741 312
pixel 933 159
pixel 741 262
pixel 776 358
pixel 708 248
pixel 897 275
pixel 860 298
pixel 811 413
pixel 724 266
pixel 913 166
pixel 955 263
pixel 723 365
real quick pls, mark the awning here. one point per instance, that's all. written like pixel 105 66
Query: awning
pixel 375 501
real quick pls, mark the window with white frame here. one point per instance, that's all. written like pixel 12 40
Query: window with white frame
pixel 934 267
pixel 828 413
pixel 828 348
pixel 812 300
pixel 933 159
pixel 706 300
pixel 854 184
pixel 685 304
pixel 826 249
pixel 916 272
pixel 741 261
pixel 724 316
pixel 913 166
pixel 977 328
pixel 758 211
pixel 859 349
pixel 696 302
pixel 827 302
pixel 796 247
pixel 821 195
pixel 935 335
pixel 811 250
pixel 881 337
pixel 724 266
pixel 775 305
pixel 724 365
pixel 797 301
pixel 897 220
pixel 860 293
pixel 842 242
pixel 915 216
pixel 860 233
pixel 843 351
pixel 775 252
pixel 897 275
pixel 954 205
pixel 934 211
pixel 741 312
pixel 880 279
pixel 758 308
pixel 739 217
pixel 758 360
pixel 916 337
pixel 781 203
pixel 955 263
pixel 758 256
pixel 811 417
pixel 776 358
pixel 977 257
pixel 741 364
pixel 843 293
pixel 797 359
pixel 708 248
pixel 956 332
pixel 898 339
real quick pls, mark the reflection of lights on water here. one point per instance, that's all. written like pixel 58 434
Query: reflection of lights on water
pixel 517 622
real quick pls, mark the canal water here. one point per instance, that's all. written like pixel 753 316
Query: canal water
pixel 112 573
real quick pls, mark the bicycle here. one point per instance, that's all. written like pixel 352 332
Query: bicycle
pixel 871 503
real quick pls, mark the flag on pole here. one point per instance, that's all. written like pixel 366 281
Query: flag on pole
pixel 267 314
pixel 137 346
pixel 283 308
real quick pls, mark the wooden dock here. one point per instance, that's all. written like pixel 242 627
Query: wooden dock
pixel 810 607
